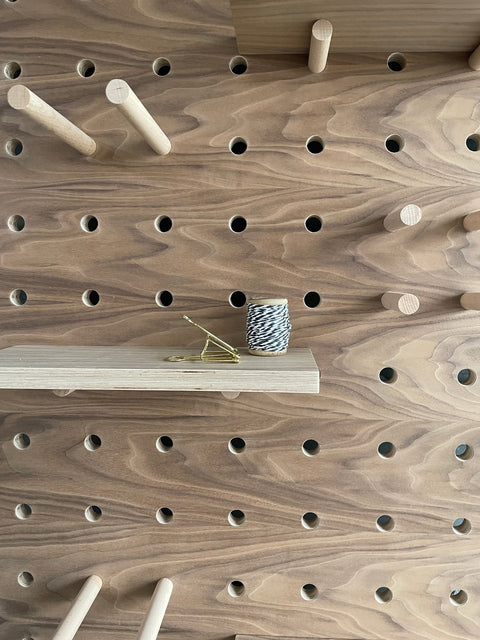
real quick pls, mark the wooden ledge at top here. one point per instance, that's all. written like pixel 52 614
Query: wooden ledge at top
pixel 146 368
pixel 247 637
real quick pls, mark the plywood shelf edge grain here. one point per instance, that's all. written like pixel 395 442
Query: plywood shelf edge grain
pixel 146 368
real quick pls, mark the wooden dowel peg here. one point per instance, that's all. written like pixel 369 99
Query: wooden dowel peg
pixel 158 605
pixel 406 303
pixel 119 93
pixel 470 301
pixel 21 98
pixel 474 59
pixel 322 31
pixel 472 221
pixel 410 215
pixel 79 609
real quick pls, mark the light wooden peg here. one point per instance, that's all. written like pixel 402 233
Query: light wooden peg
pixel 119 93
pixel 21 98
pixel 474 59
pixel 158 605
pixel 472 221
pixel 406 303
pixel 79 609
pixel 410 215
pixel 470 301
pixel 319 45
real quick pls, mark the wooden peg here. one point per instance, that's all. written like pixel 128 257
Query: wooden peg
pixel 119 93
pixel 230 395
pixel 79 609
pixel 470 301
pixel 408 216
pixel 474 60
pixel 472 221
pixel 62 393
pixel 406 303
pixel 319 45
pixel 22 99
pixel 158 605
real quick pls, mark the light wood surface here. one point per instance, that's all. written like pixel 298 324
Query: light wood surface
pixel 283 26
pixel 121 95
pixel 407 216
pixel 156 610
pixel 141 368
pixel 79 609
pixel 22 99
pixel 406 303
pixel 320 38
pixel 276 185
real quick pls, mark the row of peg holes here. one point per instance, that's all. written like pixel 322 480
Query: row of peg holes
pixel 163 224
pixel 465 377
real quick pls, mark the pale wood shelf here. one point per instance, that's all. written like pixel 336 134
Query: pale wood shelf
pixel 146 368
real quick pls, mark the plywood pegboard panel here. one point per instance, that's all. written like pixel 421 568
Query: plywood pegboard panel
pixel 276 185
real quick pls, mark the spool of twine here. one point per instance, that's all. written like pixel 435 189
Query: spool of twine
pixel 268 326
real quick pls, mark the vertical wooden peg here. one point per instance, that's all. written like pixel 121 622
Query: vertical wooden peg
pixel 410 215
pixel 406 303
pixel 470 301
pixel 119 93
pixel 319 45
pixel 79 609
pixel 474 60
pixel 22 99
pixel 472 221
pixel 158 605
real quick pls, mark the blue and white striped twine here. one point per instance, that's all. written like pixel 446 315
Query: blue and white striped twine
pixel 268 327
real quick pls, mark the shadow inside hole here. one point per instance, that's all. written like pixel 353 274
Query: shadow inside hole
pixel 162 67
pixel 164 515
pixel 23 511
pixel 18 297
pixel 237 445
pixel 92 442
pixel 396 62
pixel 91 298
pixel 310 447
pixel 388 375
pixel 236 588
pixel 386 450
pixel 86 68
pixel 383 595
pixel 311 299
pixel 238 146
pixel 385 523
pixel 238 65
pixel 164 298
pixel 309 592
pixel 313 224
pixel 89 223
pixel 238 224
pixel 466 377
pixel 394 144
pixel 458 597
pixel 21 441
pixel 463 452
pixel 310 520
pixel 163 224
pixel 237 299
pixel 16 223
pixel 236 518
pixel 473 142
pixel 315 145
pixel 462 526
pixel 12 70
pixel 93 513
pixel 14 147
pixel 164 443
pixel 25 579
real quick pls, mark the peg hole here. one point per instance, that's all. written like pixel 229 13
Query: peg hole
pixel 164 515
pixel 458 597
pixel 396 62
pixel 164 298
pixel 12 70
pixel 313 224
pixel 237 299
pixel 164 443
pixel 237 445
pixel 236 588
pixel 385 523
pixel 386 450
pixel 161 67
pixel 310 447
pixel 311 299
pixel 394 143
pixel 383 595
pixel 21 441
pixel 236 518
pixel 238 146
pixel 310 520
pixel 473 142
pixel 16 223
pixel 25 579
pixel 86 68
pixel 463 452
pixel 314 145
pixel 92 442
pixel 309 592
pixel 238 65
pixel 462 526
pixel 23 511
pixel 14 147
pixel 163 224
pixel 90 298
pixel 466 377
pixel 18 297
pixel 388 375
pixel 237 224
pixel 89 223
pixel 93 513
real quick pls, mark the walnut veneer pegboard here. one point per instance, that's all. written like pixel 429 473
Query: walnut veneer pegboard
pixel 352 513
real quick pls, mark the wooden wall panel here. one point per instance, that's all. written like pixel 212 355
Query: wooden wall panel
pixel 353 184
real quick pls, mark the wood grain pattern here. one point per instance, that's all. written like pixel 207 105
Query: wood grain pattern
pixel 276 185
pixel 283 26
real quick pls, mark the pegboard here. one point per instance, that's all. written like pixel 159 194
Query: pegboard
pixel 352 513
